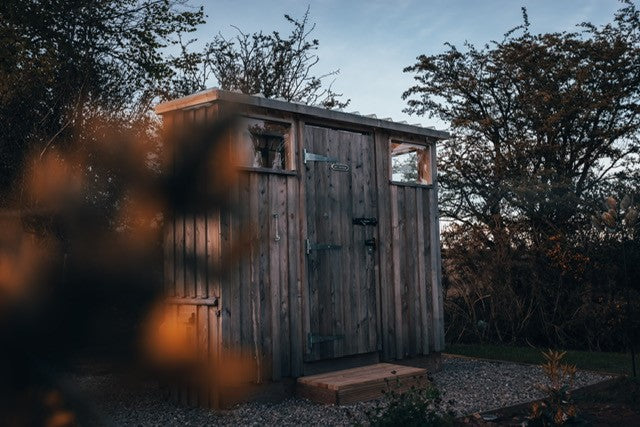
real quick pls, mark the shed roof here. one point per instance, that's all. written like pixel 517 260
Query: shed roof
pixel 215 94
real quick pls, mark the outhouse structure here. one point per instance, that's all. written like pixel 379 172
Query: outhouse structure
pixel 343 262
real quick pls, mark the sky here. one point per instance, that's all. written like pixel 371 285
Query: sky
pixel 370 42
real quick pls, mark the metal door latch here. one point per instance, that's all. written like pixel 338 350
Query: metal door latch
pixel 370 244
pixel 365 221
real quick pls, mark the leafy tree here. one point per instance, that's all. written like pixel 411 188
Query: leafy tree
pixel 540 121
pixel 544 126
pixel 65 63
pixel 275 66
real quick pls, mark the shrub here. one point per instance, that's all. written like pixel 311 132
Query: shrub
pixel 418 406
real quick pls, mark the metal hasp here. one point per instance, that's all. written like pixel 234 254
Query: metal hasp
pixel 320 246
pixel 365 221
pixel 315 339
pixel 340 167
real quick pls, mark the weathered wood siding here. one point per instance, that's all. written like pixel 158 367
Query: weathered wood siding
pixel 258 306
pixel 260 294
pixel 411 305
pixel 241 267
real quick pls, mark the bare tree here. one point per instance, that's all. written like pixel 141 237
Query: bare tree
pixel 269 64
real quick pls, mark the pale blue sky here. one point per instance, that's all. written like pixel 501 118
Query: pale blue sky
pixel 372 41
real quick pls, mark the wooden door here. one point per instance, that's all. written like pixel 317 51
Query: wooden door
pixel 341 243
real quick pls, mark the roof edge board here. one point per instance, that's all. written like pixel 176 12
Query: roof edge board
pixel 215 94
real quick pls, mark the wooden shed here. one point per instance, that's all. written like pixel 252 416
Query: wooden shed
pixel 343 267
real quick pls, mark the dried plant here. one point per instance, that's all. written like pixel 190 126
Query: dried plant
pixel 622 219
pixel 558 407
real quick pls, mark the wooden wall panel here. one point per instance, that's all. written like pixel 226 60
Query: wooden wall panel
pixel 411 278
pixel 410 292
pixel 264 280
pixel 385 256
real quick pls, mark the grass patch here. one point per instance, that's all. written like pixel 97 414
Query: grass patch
pixel 619 363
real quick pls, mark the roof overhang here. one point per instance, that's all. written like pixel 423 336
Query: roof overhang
pixel 209 96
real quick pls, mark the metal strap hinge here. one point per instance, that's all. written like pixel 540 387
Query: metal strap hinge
pixel 315 338
pixel 334 166
pixel 313 157
pixel 320 246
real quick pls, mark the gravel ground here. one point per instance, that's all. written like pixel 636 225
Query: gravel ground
pixel 473 385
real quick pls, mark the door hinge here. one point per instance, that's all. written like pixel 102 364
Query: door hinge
pixel 316 338
pixel 313 157
pixel 335 164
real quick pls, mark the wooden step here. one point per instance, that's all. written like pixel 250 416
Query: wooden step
pixel 360 384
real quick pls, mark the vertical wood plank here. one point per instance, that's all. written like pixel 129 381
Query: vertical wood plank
pixel 303 189
pixel 190 254
pixel 396 266
pixel 236 227
pixel 372 270
pixel 214 357
pixel 201 255
pixel 255 278
pixel 180 255
pixel 274 277
pixel 411 262
pixel 404 284
pixel 422 257
pixel 244 268
pixel 226 299
pixel 265 316
pixel 202 316
pixel 213 253
pixel 178 128
pixel 385 277
pixel 283 306
pixel 295 282
pixel 436 273
pixel 169 278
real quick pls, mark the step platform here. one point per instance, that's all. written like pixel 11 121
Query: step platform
pixel 360 384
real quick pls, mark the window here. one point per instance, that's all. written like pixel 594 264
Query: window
pixel 266 144
pixel 410 163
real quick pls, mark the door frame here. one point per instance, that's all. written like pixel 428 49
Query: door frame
pixel 304 266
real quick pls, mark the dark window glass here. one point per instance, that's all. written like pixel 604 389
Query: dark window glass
pixel 266 144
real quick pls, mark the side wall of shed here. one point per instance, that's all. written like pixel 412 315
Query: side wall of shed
pixel 410 290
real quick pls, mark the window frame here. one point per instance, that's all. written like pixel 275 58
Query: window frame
pixel 290 164
pixel 425 174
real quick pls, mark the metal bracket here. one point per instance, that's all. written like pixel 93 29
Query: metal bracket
pixel 335 164
pixel 315 339
pixel 313 157
pixel 320 246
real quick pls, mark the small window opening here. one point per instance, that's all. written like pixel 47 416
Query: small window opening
pixel 410 163
pixel 266 144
